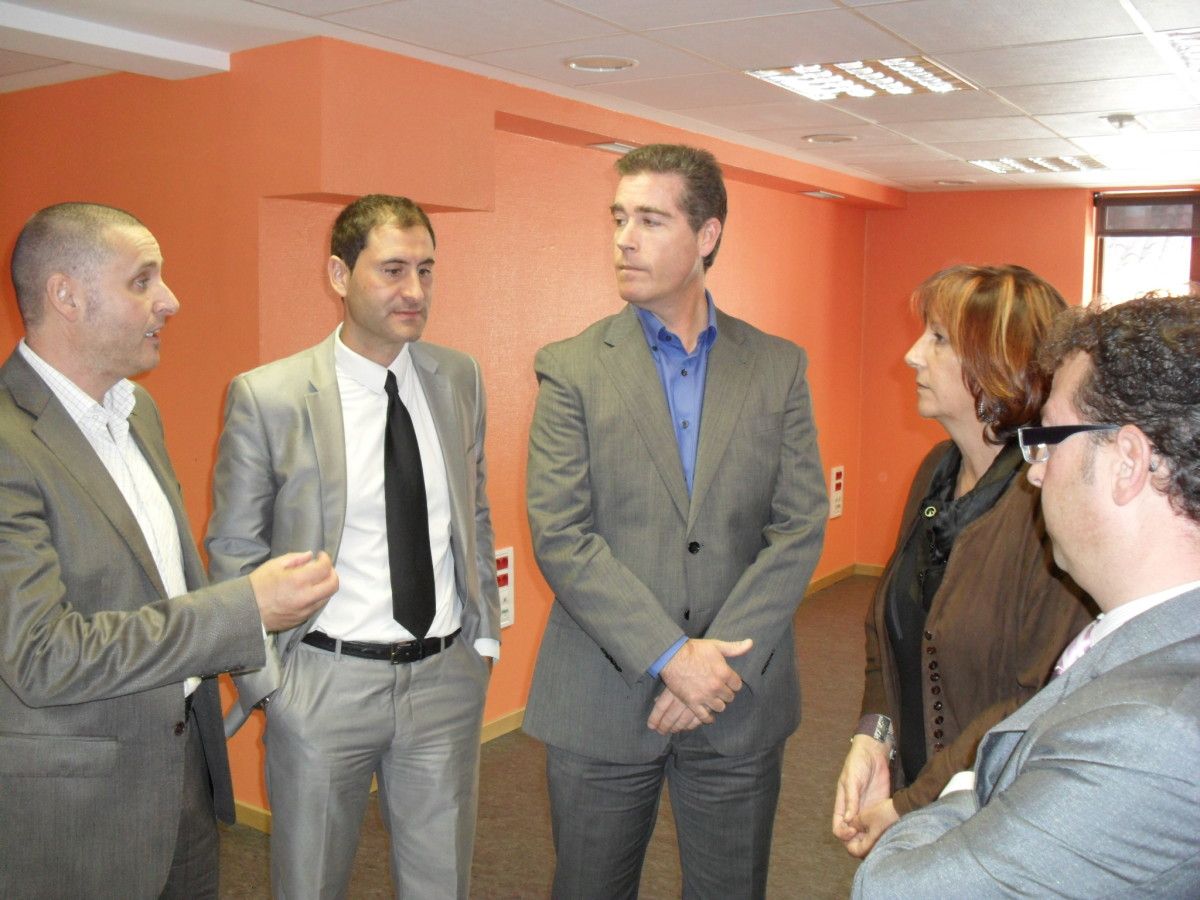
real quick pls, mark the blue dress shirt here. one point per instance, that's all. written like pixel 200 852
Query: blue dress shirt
pixel 682 375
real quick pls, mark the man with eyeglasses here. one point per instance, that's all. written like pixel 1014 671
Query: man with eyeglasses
pixel 1092 789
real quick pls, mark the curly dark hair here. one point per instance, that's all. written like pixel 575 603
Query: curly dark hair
pixel 1145 357
pixel 354 223
pixel 704 187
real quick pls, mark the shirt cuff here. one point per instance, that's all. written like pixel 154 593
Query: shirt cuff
pixel 661 662
pixel 488 647
pixel 962 781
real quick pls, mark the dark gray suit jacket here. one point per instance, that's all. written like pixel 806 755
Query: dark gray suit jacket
pixel 1091 789
pixel 635 563
pixel 93 657
pixel 280 483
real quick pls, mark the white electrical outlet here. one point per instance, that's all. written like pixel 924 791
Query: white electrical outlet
pixel 504 583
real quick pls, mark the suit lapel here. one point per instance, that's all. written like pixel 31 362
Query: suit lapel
pixel 628 362
pixel 726 383
pixel 55 428
pixel 439 394
pixel 324 405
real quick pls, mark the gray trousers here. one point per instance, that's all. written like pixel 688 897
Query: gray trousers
pixel 603 815
pixel 338 720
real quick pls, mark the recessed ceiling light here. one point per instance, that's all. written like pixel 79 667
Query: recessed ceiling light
pixel 865 78
pixel 829 138
pixel 600 63
pixel 1032 165
pixel 614 147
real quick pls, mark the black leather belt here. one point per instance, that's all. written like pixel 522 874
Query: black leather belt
pixel 403 652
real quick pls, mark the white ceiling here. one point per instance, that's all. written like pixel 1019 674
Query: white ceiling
pixel 1047 70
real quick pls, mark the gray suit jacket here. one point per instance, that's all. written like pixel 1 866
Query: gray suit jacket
pixel 93 657
pixel 635 563
pixel 1091 789
pixel 280 483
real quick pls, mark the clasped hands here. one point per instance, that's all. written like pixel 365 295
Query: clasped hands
pixel 863 808
pixel 699 685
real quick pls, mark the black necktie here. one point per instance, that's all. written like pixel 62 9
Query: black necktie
pixel 407 517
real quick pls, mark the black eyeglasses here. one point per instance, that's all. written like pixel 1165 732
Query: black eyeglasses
pixel 1036 440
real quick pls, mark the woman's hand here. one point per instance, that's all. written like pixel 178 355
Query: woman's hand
pixel 865 782
pixel 872 822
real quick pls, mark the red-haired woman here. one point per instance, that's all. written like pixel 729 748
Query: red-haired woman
pixel 971 613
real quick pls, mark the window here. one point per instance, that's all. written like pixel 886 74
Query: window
pixel 1147 242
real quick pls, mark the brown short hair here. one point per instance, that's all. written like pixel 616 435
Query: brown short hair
pixel 995 316
pixel 1145 371
pixel 354 223
pixel 704 186
pixel 66 237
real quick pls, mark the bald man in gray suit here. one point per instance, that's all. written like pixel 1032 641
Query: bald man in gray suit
pixel 1091 788
pixel 112 758
pixel 677 507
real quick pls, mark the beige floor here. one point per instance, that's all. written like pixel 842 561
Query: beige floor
pixel 514 857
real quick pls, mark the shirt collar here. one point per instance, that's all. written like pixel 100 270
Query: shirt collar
pixel 1110 621
pixel 365 371
pixel 656 332
pixel 117 403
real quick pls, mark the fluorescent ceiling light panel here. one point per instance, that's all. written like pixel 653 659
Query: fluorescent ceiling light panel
pixel 865 78
pixel 1032 165
pixel 1187 45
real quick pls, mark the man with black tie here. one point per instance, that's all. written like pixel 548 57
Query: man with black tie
pixel 369 446
pixel 112 759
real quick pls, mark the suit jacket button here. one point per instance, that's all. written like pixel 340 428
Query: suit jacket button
pixel 180 727
pixel 939 747
pixel 694 547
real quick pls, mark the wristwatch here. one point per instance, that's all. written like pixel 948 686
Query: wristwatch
pixel 879 727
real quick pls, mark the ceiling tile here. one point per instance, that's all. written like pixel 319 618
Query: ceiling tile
pixel 1169 15
pixel 549 60
pixel 773 41
pixel 467 28
pixel 864 136
pixel 1089 60
pixel 638 14
pixel 925 107
pixel 1017 149
pixel 685 91
pixel 797 113
pixel 1129 94
pixel 319 7
pixel 883 155
pixel 11 63
pixel 1073 125
pixel 1003 128
pixel 1172 120
pixel 955 25
pixel 1129 145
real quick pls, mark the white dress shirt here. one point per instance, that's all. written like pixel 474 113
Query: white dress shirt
pixel 105 425
pixel 361 610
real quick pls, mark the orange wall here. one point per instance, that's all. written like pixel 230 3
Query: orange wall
pixel 1046 231
pixel 240 175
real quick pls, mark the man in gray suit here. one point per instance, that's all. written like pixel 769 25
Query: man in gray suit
pixel 1091 789
pixel 112 760
pixel 677 507
pixel 389 680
